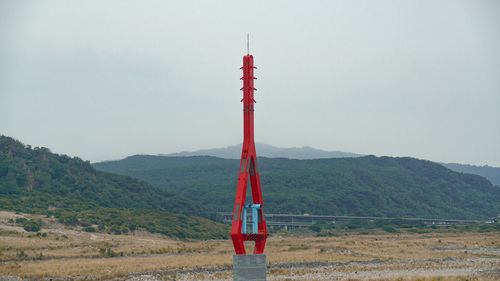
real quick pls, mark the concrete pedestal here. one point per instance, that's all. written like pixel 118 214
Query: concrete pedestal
pixel 249 267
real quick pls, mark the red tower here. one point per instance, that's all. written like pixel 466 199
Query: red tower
pixel 248 169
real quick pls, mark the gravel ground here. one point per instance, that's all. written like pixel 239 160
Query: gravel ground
pixel 10 278
pixel 338 271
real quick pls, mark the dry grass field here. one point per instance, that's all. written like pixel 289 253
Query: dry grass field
pixel 59 252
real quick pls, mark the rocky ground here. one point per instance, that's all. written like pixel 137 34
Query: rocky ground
pixel 449 269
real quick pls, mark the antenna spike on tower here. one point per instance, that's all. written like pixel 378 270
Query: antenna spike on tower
pixel 248 43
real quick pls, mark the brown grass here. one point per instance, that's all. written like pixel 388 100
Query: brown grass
pixel 69 252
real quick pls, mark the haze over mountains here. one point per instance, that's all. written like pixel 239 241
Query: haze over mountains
pixel 306 152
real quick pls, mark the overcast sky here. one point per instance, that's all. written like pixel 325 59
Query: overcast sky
pixel 107 79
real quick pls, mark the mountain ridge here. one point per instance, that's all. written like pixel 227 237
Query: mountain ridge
pixel 364 186
pixel 489 172
pixel 307 152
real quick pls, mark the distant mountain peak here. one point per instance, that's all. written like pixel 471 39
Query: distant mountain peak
pixel 266 150
pixel 491 173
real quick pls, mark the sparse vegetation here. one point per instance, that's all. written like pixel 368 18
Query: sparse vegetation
pixel 390 256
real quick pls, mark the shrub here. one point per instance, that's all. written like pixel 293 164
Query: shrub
pixel 315 228
pixel 32 226
pixel 390 229
pixel 89 229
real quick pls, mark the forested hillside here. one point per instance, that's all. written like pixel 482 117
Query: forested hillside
pixel 265 150
pixel 34 180
pixel 365 186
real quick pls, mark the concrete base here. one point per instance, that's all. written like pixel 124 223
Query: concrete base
pixel 249 267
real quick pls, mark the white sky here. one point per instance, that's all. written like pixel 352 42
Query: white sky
pixel 107 79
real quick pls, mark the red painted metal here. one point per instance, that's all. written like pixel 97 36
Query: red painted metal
pixel 248 169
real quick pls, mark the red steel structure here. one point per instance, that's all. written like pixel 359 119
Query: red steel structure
pixel 248 169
